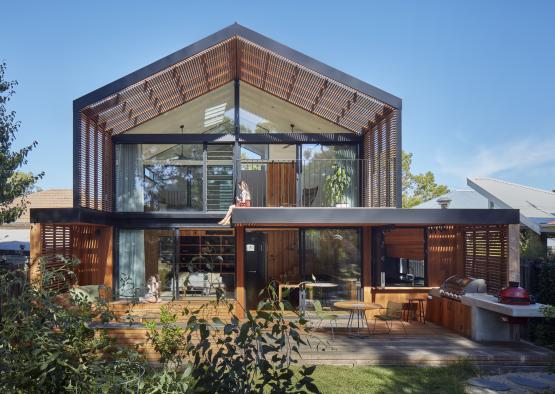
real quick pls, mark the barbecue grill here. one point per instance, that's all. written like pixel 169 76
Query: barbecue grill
pixel 456 286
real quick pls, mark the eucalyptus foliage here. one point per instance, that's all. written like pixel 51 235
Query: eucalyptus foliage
pixel 47 344
pixel 14 184
pixel 253 355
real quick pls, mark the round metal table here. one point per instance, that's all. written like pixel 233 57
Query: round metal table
pixel 359 308
pixel 311 285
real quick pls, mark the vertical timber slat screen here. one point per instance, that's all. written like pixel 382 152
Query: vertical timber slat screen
pixel 486 255
pixel 91 244
pixel 445 253
pixel 95 166
pixel 379 177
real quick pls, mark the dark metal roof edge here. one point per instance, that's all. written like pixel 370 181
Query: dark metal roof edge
pixel 90 216
pixel 224 34
pixel 368 216
pixel 317 66
pixel 68 215
pixel 155 67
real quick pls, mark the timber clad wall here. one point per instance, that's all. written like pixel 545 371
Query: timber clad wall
pixel 91 244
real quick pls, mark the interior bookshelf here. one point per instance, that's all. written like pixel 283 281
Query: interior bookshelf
pixel 210 250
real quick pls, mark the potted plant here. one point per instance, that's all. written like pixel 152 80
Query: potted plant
pixel 336 185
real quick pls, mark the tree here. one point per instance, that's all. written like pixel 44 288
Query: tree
pixel 418 188
pixel 15 185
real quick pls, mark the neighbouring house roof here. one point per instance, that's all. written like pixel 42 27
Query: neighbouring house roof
pixel 235 53
pixel 460 199
pixel 537 206
pixel 51 198
pixel 15 236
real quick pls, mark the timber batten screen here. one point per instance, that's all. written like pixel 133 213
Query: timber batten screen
pixel 91 244
pixel 237 58
pixel 380 148
pixel 94 165
pixel 486 255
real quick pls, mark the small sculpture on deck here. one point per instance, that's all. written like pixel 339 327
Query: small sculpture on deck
pixel 153 286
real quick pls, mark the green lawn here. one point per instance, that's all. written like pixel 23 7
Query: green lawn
pixel 448 379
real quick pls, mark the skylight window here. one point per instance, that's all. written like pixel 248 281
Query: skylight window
pixel 214 115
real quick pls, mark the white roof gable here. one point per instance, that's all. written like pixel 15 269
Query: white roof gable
pixel 460 199
pixel 537 206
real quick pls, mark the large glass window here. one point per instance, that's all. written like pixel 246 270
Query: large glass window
pixel 333 256
pixel 143 254
pixel 170 177
pixel 261 112
pixel 308 175
pixel 186 262
pixel 329 175
pixel 211 113
pixel 401 260
pixel 287 257
pixel 270 173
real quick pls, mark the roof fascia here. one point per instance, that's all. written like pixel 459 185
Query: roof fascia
pixel 318 66
pixel 155 67
pixel 250 35
pixel 372 216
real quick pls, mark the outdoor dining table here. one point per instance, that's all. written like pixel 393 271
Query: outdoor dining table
pixel 311 285
pixel 359 308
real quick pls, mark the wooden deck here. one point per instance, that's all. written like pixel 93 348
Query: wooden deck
pixel 424 344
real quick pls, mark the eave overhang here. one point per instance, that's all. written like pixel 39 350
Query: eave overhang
pixel 371 216
pixel 236 52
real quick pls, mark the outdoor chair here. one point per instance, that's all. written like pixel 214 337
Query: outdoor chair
pixel 322 315
pixel 393 312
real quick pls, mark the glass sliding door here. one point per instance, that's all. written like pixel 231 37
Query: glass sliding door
pixel 271 256
pixel 333 255
pixel 187 262
pixel 205 263
pixel 287 257
pixel 143 254
pixel 173 177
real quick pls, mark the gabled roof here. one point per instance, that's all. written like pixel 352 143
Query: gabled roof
pixel 50 198
pixel 460 199
pixel 537 206
pixel 235 52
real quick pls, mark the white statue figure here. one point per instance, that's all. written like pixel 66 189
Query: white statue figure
pixel 153 286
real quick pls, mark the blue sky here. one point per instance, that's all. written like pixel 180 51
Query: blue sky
pixel 477 78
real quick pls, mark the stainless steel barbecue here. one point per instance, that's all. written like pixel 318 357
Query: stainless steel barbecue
pixel 456 286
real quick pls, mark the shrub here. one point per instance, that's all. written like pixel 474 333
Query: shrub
pixel 47 344
pixel 169 339
pixel 256 355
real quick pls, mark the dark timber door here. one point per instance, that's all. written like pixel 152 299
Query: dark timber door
pixel 255 266
pixel 281 185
